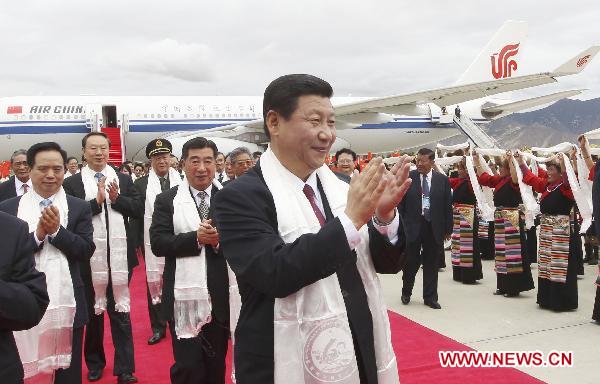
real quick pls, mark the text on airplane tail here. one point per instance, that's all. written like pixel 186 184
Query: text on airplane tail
pixel 502 67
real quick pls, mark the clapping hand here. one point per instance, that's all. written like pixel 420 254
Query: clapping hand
pixel 113 191
pixel 377 190
pixel 207 234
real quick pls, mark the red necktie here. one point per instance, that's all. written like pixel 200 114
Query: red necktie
pixel 26 188
pixel 310 195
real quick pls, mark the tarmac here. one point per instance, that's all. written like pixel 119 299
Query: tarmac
pixel 473 316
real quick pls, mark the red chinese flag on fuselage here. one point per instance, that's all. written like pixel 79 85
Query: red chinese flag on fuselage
pixel 14 109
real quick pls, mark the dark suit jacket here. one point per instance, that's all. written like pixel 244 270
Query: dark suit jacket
pixel 138 223
pixel 76 242
pixel 266 268
pixel 440 200
pixel 128 204
pixel 165 243
pixel 23 295
pixel 343 177
pixel 7 189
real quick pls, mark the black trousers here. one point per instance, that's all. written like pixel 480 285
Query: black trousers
pixel 72 375
pixel 429 257
pixel 120 329
pixel 200 360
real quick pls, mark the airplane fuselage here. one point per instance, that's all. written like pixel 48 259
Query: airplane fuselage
pixel 66 119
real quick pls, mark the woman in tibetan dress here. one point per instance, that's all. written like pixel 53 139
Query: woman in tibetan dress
pixel 466 260
pixel 557 257
pixel 513 272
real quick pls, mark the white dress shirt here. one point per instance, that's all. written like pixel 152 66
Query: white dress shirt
pixel 19 186
pixel 352 235
pixel 429 175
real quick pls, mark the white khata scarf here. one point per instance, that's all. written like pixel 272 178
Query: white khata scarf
pixel 532 208
pixel 579 193
pixel 47 346
pixel 313 343
pixel 155 265
pixel 562 147
pixel 583 173
pixel 117 239
pixel 485 203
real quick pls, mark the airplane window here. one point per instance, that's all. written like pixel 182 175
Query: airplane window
pixel 145 115
pixel 38 117
pixel 30 117
pixel 172 116
pixel 235 115
pixel 185 115
pixel 203 115
pixel 229 115
pixel 152 115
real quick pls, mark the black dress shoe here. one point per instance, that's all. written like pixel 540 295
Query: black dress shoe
pixel 498 292
pixel 514 294
pixel 405 299
pixel 156 337
pixel 433 304
pixel 94 375
pixel 126 378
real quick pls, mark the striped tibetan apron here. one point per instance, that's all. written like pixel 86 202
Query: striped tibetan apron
pixel 554 248
pixel 462 235
pixel 507 241
pixel 483 229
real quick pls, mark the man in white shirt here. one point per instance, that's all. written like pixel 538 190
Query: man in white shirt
pixel 72 166
pixel 18 184
pixel 220 174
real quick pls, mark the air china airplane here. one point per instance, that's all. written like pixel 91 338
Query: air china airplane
pixel 379 124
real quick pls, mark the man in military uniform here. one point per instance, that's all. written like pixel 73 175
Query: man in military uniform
pixel 160 178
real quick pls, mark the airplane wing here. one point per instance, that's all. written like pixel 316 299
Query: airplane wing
pixel 461 93
pixel 377 110
pixel 500 110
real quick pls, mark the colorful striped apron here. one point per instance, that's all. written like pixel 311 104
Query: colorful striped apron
pixel 507 241
pixel 554 248
pixel 462 235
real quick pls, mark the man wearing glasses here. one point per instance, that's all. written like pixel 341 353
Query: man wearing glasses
pixel 19 183
pixel 241 161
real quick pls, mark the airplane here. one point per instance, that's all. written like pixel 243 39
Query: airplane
pixel 374 124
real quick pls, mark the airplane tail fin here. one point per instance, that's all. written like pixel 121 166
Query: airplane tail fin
pixel 498 59
pixel 578 63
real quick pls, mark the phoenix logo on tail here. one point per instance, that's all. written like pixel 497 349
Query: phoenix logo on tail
pixel 502 67
pixel 583 60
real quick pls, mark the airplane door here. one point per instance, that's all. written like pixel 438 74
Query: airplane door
pixel 92 119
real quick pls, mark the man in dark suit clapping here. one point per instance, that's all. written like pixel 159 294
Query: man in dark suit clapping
pixel 426 211
pixel 114 200
pixel 68 238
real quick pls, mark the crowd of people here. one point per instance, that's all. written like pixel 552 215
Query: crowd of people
pixel 277 251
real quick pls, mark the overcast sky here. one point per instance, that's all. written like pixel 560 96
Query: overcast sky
pixel 364 48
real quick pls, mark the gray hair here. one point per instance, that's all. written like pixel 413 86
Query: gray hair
pixel 17 153
pixel 233 155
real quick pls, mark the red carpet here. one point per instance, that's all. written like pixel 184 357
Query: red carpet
pixel 416 348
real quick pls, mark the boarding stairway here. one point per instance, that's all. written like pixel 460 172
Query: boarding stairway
pixel 116 153
pixel 474 132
